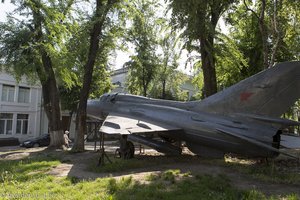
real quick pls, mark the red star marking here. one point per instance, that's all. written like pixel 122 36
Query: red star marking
pixel 245 96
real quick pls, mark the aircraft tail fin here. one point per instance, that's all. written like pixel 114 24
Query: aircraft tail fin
pixel 270 92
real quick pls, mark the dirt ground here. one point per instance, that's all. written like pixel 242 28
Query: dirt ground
pixel 76 166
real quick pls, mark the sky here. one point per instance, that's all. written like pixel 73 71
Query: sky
pixel 4 8
pixel 121 57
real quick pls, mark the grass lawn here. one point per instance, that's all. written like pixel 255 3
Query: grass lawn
pixel 28 179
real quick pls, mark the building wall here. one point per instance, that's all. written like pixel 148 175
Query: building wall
pixel 21 114
pixel 118 79
pixel 119 76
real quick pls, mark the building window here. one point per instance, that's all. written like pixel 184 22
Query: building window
pixel 6 120
pixel 23 96
pixel 8 93
pixel 22 124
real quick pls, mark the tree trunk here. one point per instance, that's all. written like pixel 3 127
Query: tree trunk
pixel 208 67
pixel 49 86
pixel 163 96
pixel 144 83
pixel 264 35
pixel 262 30
pixel 206 38
pixel 84 94
pixel 207 56
pixel 95 33
pixel 276 34
pixel 52 105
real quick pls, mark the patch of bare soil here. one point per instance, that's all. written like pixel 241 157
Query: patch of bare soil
pixel 17 153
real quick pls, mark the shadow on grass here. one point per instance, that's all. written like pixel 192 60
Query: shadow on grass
pixel 32 166
pixel 198 187
pixel 30 174
pixel 141 163
pixel 280 172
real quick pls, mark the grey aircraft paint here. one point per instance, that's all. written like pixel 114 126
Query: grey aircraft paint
pixel 243 119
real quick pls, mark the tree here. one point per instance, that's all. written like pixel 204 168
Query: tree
pixel 277 42
pixel 198 19
pixel 143 65
pixel 167 82
pixel 76 56
pixel 32 45
pixel 282 35
pixel 96 30
pixel 169 59
pixel 262 28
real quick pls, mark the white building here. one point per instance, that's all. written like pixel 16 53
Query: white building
pixel 118 79
pixel 119 76
pixel 21 111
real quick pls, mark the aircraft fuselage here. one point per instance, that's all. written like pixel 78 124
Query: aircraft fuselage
pixel 203 132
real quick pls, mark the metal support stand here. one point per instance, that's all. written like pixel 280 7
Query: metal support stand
pixel 95 138
pixel 103 155
pixel 93 127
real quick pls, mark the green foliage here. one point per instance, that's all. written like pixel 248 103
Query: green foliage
pixel 20 49
pixel 231 64
pixel 66 42
pixel 15 50
pixel 245 31
pixel 143 34
pixel 254 195
pixel 77 55
pixel 33 45
pixel 243 52
pixel 116 186
pixel 168 81
pixel 198 20
pixel 170 175
pixel 152 71
pixel 166 176
pixel 198 80
pixel 173 83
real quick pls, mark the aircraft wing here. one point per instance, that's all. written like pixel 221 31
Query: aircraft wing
pixel 115 124
pixel 233 133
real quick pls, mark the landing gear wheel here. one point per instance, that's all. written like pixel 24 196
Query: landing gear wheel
pixel 167 139
pixel 126 150
pixel 130 150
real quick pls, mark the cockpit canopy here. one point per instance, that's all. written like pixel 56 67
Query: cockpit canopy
pixel 108 97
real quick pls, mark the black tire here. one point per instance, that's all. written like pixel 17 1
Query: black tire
pixel 131 150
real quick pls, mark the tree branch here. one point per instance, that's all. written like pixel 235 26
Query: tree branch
pixel 249 9
pixel 277 33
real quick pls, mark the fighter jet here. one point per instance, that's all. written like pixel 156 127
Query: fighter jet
pixel 244 119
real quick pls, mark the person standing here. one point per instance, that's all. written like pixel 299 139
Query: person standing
pixel 67 140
